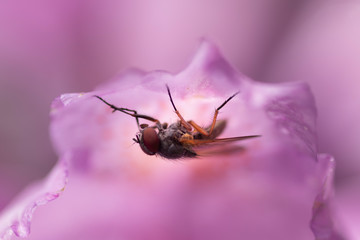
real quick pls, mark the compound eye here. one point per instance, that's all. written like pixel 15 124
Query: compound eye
pixel 150 140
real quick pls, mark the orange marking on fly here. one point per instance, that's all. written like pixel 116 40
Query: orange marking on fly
pixel 180 139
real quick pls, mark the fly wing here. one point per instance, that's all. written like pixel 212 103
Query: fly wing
pixel 200 142
pixel 219 146
pixel 218 129
pixel 218 150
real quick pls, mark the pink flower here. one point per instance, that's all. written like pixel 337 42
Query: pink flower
pixel 275 189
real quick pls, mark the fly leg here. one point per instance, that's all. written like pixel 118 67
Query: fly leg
pixel 182 120
pixel 130 112
pixel 212 126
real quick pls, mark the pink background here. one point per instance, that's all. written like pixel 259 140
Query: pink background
pixel 47 49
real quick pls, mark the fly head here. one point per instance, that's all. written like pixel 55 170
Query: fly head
pixel 149 140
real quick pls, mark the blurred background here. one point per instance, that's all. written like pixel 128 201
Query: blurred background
pixel 52 47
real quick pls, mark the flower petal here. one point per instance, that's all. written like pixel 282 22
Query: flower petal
pixel 16 218
pixel 284 114
pixel 251 194
pixel 322 222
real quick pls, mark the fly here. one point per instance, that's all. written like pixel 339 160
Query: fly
pixel 182 138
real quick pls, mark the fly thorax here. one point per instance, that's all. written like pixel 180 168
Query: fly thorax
pixel 185 137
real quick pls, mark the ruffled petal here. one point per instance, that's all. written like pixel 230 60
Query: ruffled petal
pixel 16 218
pixel 251 194
pixel 284 114
pixel 323 224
